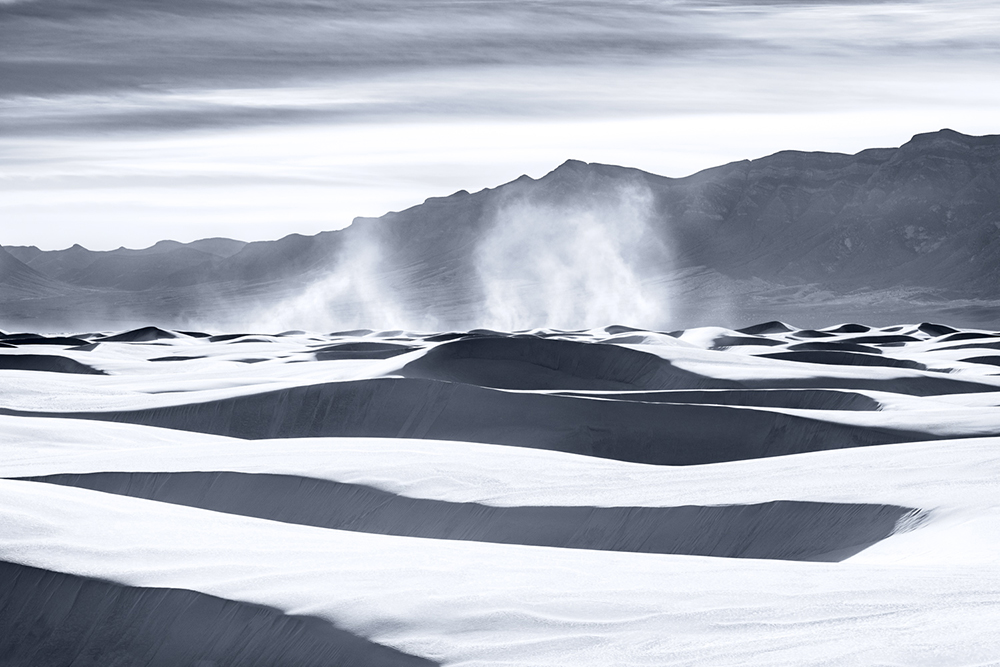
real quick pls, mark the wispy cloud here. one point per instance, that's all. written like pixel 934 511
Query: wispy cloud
pixel 186 64
pixel 448 94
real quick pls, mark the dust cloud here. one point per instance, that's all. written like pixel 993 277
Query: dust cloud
pixel 576 266
pixel 357 293
pixel 590 262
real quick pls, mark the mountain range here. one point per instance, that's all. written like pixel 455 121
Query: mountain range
pixel 884 235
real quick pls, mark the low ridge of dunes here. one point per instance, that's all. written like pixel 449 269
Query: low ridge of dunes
pixel 532 363
pixel 662 401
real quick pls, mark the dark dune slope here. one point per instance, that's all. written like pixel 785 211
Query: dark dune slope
pixel 141 335
pixel 362 350
pixel 725 342
pixel 843 358
pixel 37 339
pixel 837 346
pixel 530 362
pixel 914 385
pixel 936 329
pixel 805 399
pixel 991 360
pixel 673 434
pixel 850 327
pixel 771 327
pixel 973 346
pixel 51 619
pixel 782 530
pixel 52 363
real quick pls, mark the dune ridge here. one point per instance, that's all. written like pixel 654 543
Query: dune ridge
pixel 53 619
pixel 784 530
pixel 661 433
pixel 50 363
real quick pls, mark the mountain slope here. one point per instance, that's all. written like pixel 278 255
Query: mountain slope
pixel 20 281
pixel 886 234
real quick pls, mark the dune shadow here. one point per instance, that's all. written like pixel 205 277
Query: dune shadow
pixel 50 363
pixel 642 432
pixel 52 619
pixel 783 530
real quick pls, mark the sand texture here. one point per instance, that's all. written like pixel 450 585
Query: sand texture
pixel 767 496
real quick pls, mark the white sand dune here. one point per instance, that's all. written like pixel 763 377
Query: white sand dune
pixel 84 621
pixel 473 603
pixel 483 499
pixel 785 530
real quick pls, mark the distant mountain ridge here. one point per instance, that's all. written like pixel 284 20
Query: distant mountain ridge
pixel 124 268
pixel 884 234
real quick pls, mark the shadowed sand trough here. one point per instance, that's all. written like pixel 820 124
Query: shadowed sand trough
pixel 782 530
pixel 51 619
pixel 627 430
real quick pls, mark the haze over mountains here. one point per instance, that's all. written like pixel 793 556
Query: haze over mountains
pixel 886 235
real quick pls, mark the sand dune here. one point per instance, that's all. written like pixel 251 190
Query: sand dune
pixel 804 399
pixel 839 346
pixel 992 360
pixel 850 327
pixel 785 530
pixel 984 345
pixel 479 498
pixel 464 602
pixel 843 358
pixel 932 329
pixel 530 362
pixel 139 335
pixel 773 327
pixel 51 619
pixel 18 340
pixel 52 363
pixel 661 433
pixel 360 351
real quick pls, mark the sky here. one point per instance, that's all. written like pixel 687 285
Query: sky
pixel 124 123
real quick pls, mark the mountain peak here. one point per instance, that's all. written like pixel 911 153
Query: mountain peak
pixel 949 136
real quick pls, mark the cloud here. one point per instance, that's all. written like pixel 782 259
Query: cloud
pixel 103 67
pixel 79 46
pixel 141 76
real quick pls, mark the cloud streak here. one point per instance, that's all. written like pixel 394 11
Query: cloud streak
pixel 488 83
pixel 148 64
